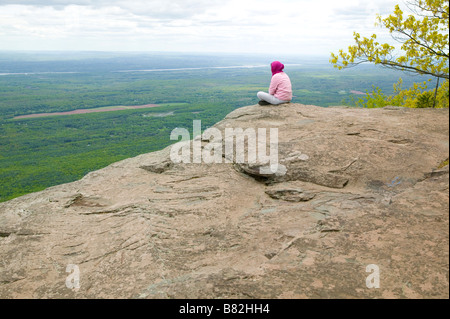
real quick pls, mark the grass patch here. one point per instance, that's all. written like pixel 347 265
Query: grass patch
pixel 443 164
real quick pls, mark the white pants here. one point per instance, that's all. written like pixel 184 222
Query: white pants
pixel 270 98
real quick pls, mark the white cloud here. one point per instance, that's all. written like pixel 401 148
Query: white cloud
pixel 293 26
pixel 150 8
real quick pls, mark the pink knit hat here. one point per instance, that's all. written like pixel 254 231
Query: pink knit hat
pixel 277 67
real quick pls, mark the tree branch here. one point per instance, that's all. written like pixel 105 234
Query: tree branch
pixel 426 45
pixel 402 67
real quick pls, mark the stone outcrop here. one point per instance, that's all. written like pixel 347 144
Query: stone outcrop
pixel 359 187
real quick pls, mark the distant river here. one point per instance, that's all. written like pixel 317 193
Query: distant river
pixel 157 70
pixel 32 73
pixel 208 67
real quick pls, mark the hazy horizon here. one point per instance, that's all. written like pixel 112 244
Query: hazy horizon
pixel 298 27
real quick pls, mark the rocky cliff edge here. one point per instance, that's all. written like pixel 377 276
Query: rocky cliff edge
pixel 361 211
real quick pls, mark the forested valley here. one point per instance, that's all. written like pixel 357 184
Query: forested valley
pixel 36 153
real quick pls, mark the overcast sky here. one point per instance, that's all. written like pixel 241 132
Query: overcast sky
pixel 315 27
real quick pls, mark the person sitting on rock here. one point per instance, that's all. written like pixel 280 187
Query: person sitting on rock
pixel 280 90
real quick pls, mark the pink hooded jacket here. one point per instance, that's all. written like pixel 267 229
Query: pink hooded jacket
pixel 280 85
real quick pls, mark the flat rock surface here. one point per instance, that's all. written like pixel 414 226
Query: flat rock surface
pixel 360 187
